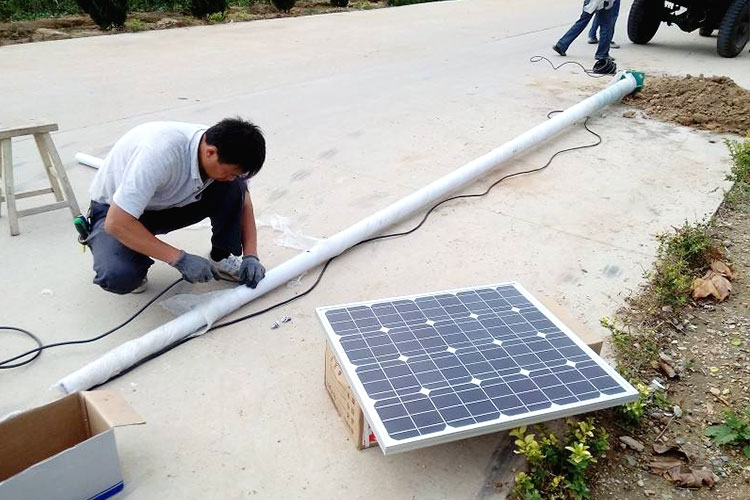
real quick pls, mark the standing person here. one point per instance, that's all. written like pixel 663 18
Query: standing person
pixel 162 176
pixel 603 64
pixel 596 25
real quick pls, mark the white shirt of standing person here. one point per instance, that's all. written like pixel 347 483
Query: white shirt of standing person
pixel 592 6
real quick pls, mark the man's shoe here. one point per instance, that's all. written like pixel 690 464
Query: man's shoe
pixel 614 44
pixel 229 266
pixel 142 287
pixel 558 49
pixel 593 40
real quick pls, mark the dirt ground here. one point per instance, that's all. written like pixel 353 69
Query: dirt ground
pixel 710 346
pixel 81 25
pixel 707 343
pixel 712 103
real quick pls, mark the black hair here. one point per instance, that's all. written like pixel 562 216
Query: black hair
pixel 238 142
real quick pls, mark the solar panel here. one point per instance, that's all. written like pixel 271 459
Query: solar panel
pixel 433 368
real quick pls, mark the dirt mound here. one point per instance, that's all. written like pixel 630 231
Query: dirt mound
pixel 713 103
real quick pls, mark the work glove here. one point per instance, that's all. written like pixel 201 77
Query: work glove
pixel 195 269
pixel 251 271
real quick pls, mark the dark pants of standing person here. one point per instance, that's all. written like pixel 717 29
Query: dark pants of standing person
pixel 121 270
pixel 607 18
pixel 597 21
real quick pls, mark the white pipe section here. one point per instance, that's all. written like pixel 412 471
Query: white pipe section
pixel 88 160
pixel 202 317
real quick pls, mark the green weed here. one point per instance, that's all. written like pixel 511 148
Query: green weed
pixel 739 173
pixel 682 255
pixel 135 25
pixel 635 350
pixel 671 282
pixel 557 467
pixel 216 17
pixel 734 431
pixel 633 412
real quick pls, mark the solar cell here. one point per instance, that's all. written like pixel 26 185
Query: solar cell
pixel 433 368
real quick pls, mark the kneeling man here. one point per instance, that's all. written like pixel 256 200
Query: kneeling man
pixel 163 176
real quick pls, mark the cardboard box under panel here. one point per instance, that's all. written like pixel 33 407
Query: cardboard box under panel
pixel 346 404
pixel 64 450
pixel 348 408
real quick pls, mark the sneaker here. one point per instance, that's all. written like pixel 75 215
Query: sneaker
pixel 614 44
pixel 558 49
pixel 229 266
pixel 593 40
pixel 142 287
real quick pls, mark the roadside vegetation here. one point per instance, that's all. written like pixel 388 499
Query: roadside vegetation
pixel 112 14
pixel 684 345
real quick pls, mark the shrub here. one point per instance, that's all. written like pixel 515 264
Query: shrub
pixel 106 14
pixel 6 11
pixel 558 466
pixel 203 8
pixel 339 3
pixel 284 5
pixel 216 17
pixel 18 10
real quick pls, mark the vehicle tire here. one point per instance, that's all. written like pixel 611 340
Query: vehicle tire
pixel 644 20
pixel 706 31
pixel 734 30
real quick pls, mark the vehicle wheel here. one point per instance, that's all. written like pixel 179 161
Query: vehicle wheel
pixel 734 30
pixel 706 31
pixel 644 20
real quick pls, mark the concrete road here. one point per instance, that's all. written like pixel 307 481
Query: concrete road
pixel 359 110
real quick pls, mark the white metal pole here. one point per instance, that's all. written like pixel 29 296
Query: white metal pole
pixel 202 317
pixel 88 160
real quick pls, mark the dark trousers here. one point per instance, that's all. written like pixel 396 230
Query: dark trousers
pixel 596 24
pixel 607 19
pixel 121 270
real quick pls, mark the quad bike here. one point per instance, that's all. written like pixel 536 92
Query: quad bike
pixel 730 17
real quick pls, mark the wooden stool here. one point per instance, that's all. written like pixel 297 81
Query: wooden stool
pixel 52 166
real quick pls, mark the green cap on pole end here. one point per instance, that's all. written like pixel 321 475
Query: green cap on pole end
pixel 639 76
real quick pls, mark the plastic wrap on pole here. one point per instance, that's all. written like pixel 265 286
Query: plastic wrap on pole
pixel 199 320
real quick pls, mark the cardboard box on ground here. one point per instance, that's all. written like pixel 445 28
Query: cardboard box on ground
pixel 348 407
pixel 65 449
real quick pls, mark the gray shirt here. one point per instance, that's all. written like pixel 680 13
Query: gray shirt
pixel 152 167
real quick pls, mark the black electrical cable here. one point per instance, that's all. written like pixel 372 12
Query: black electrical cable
pixel 37 351
pixel 536 59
